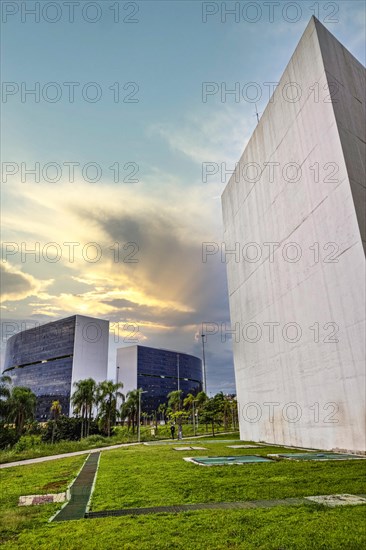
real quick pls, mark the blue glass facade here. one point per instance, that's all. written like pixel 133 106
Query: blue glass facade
pixel 161 371
pixel 41 359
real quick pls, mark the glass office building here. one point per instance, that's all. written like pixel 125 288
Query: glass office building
pixel 158 372
pixel 49 358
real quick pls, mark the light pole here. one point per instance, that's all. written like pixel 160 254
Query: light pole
pixel 204 363
pixel 139 415
pixel 117 378
pixel 194 419
pixel 178 384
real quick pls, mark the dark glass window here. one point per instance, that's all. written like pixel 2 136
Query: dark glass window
pixel 157 374
pixel 41 359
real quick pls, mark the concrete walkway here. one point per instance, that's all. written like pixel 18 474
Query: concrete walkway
pixel 65 455
pixel 80 491
pixel 88 451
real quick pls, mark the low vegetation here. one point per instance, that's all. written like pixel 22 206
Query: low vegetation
pixel 158 475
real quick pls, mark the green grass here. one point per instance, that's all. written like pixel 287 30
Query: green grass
pixel 47 477
pixel 92 442
pixel 287 528
pixel 157 475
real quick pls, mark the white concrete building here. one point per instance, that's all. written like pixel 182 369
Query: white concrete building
pixel 294 213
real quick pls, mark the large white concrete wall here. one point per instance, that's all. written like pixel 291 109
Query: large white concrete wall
pixel 347 77
pixel 305 393
pixel 90 350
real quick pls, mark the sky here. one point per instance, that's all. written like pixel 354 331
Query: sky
pixel 119 133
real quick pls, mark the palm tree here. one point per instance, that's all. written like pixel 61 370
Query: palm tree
pixel 55 411
pixel 22 404
pixel 130 408
pixel 108 397
pixel 5 393
pixel 174 400
pixel 201 399
pixel 188 404
pixel 162 410
pixel 234 411
pixel 83 400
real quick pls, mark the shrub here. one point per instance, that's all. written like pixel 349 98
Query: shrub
pixel 93 439
pixel 8 437
pixel 27 442
pixel 68 428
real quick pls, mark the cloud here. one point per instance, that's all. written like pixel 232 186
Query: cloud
pixel 160 229
pixel 161 222
pixel 16 285
pixel 205 138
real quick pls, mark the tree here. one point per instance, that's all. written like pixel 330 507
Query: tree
pixel 162 410
pixel 174 400
pixel 83 400
pixel 212 411
pixel 5 392
pixel 234 411
pixel 8 436
pixel 201 399
pixel 55 411
pixel 188 404
pixel 108 397
pixel 223 407
pixel 22 404
pixel 130 409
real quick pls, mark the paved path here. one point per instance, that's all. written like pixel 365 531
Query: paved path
pixel 65 455
pixel 80 491
pixel 86 452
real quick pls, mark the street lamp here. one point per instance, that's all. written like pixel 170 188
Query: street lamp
pixel 117 379
pixel 194 418
pixel 204 362
pixel 178 371
pixel 140 391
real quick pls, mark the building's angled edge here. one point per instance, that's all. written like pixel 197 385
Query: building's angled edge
pixel 347 84
pixel 309 392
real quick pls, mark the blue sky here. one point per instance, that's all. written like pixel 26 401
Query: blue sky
pixel 161 62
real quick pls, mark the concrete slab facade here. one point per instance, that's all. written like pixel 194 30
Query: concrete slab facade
pixel 293 213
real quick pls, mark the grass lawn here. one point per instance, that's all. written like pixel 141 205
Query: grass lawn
pixel 288 528
pixel 158 475
pixel 36 479
pixel 60 447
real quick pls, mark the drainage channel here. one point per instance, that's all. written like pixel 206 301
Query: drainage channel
pixel 80 491
pixel 329 500
pixel 189 507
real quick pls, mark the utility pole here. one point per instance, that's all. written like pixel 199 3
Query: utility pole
pixel 117 380
pixel 178 383
pixel 194 419
pixel 204 363
pixel 139 416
